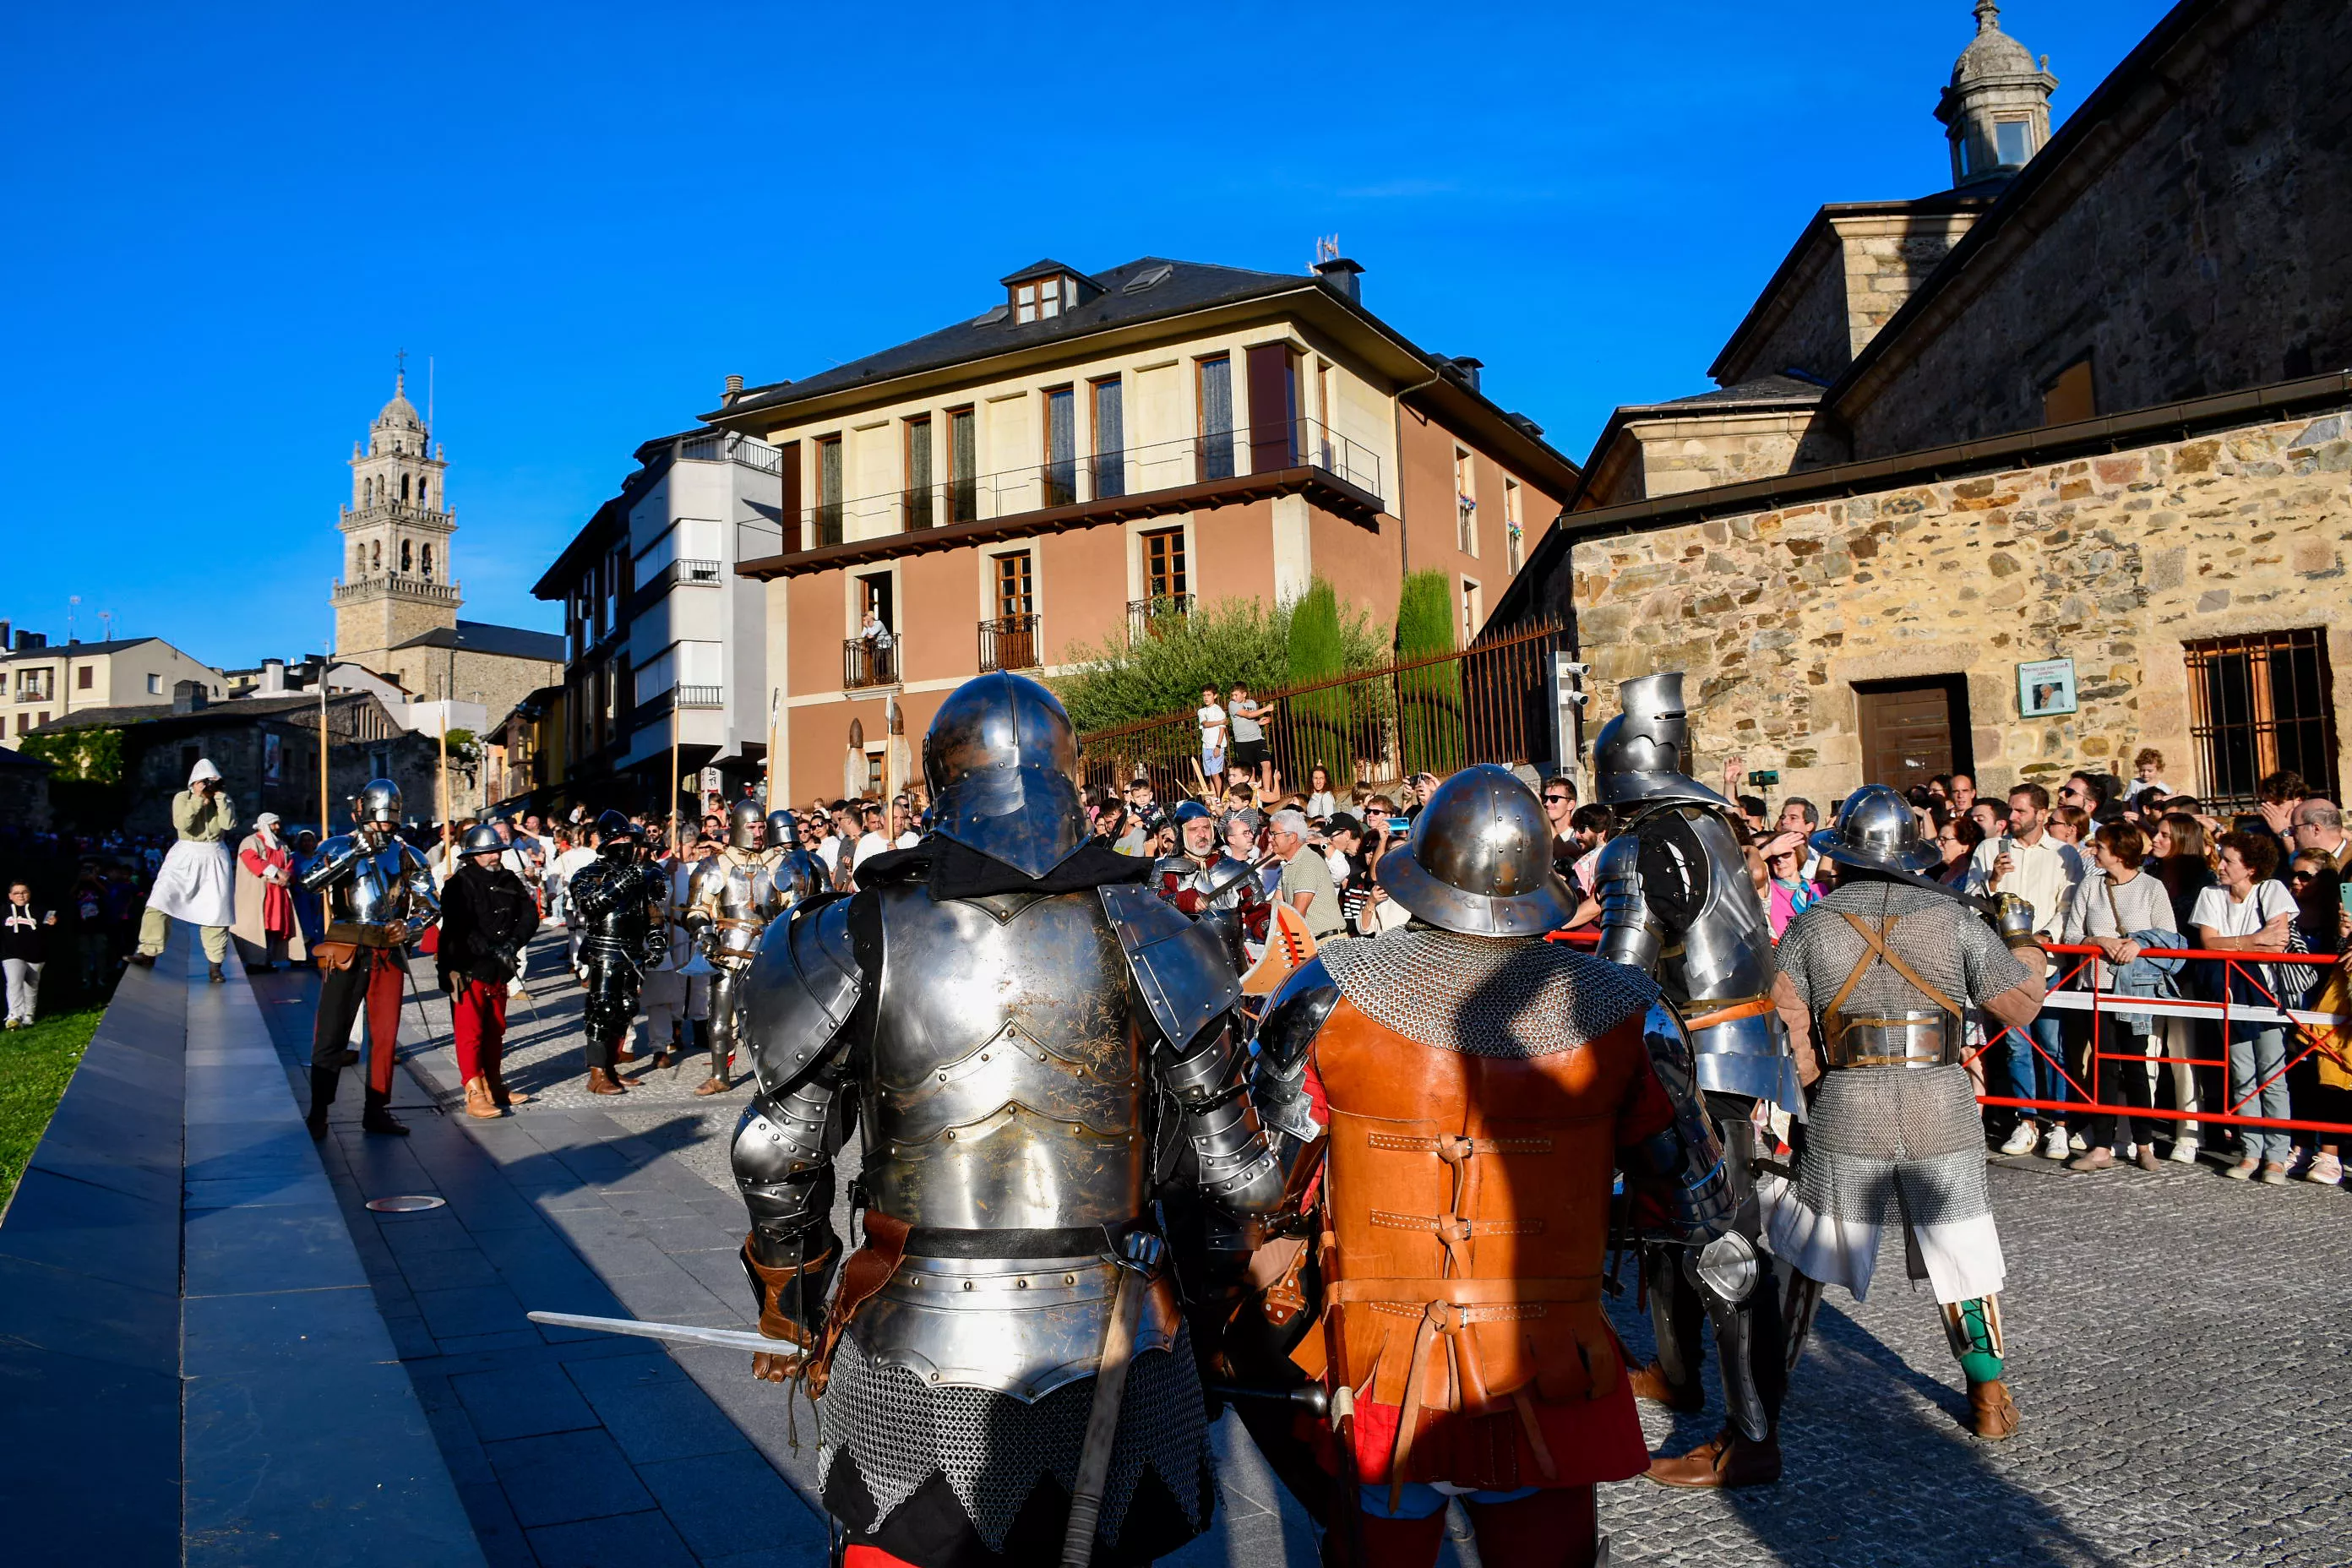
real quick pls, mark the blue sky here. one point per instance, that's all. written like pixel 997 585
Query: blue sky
pixel 225 221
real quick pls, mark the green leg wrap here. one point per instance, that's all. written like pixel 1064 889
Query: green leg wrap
pixel 1974 1329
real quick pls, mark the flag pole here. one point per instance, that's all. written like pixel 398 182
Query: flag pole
pixel 676 780
pixel 326 826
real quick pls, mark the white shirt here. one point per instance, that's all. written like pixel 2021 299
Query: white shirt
pixel 2038 875
pixel 907 840
pixel 1338 864
pixel 1213 728
pixel 1320 804
pixel 2226 916
pixel 868 845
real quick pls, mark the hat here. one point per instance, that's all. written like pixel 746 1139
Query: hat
pixel 267 819
pixel 1343 822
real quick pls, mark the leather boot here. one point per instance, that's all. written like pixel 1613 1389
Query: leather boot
pixel 477 1099
pixel 144 960
pixel 213 974
pixel 1650 1382
pixel 1992 1413
pixel 324 1081
pixel 1726 1460
pixel 376 1116
pixel 602 1081
pixel 504 1098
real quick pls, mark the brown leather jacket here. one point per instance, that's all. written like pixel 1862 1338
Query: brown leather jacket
pixel 1465 1207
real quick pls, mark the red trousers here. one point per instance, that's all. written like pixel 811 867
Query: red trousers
pixel 479 1015
pixel 1556 1528
pixel 373 980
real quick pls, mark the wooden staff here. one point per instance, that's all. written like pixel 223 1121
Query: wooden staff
pixel 772 801
pixel 326 826
pixel 677 780
pixel 441 785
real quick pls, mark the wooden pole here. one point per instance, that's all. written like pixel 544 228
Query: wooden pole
pixel 326 825
pixel 772 802
pixel 676 780
pixel 442 786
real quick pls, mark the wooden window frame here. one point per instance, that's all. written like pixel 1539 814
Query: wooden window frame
pixel 1181 581
pixel 919 505
pixel 2262 722
pixel 996 575
pixel 1465 501
pixel 963 490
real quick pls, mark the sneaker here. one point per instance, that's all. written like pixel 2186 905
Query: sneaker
pixel 2184 1152
pixel 2326 1170
pixel 2075 1143
pixel 2243 1171
pixel 2022 1139
pixel 2055 1146
pixel 2273 1172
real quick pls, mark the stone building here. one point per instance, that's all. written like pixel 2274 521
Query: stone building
pixel 396 605
pixel 2101 423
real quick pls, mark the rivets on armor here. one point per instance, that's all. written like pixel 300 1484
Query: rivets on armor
pixel 1069 1278
pixel 1021 1284
pixel 967 1284
pixel 983 1055
pixel 950 1134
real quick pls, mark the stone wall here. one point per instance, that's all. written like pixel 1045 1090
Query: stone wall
pixel 2192 239
pixel 1696 454
pixel 2115 560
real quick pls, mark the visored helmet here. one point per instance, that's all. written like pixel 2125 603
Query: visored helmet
pixel 616 836
pixel 783 829
pixel 1642 752
pixel 745 825
pixel 1480 859
pixel 1000 757
pixel 1877 831
pixel 378 804
pixel 481 839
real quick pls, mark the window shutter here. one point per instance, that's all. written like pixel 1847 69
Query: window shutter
pixel 1273 408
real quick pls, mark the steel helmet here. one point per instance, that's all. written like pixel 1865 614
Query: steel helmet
pixel 378 804
pixel 1480 859
pixel 744 824
pixel 783 829
pixel 1876 831
pixel 1641 753
pixel 998 757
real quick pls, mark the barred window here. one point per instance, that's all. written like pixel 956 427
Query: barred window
pixel 2259 705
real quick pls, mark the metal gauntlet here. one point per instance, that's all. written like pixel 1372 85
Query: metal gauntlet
pixel 2012 918
pixel 1627 934
pixel 783 1167
pixel 1682 1166
pixel 1236 1167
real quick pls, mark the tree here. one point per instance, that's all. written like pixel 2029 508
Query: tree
pixel 1121 681
pixel 1431 723
pixel 80 756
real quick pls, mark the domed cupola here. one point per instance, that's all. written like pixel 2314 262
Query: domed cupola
pixel 1996 114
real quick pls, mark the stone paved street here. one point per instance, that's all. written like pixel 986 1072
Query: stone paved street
pixel 2179 1347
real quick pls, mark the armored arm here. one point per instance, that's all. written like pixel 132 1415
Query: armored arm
pixel 1629 935
pixel 1284 1039
pixel 1188 989
pixel 336 858
pixel 702 889
pixel 1679 1171
pixel 797 1000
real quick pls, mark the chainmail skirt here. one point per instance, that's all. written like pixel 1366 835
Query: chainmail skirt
pixel 1909 1138
pixel 897 1431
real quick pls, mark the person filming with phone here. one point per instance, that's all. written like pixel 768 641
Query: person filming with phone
pixel 2022 858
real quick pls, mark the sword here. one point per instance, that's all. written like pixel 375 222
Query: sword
pixel 681 1333
pixel 1143 1250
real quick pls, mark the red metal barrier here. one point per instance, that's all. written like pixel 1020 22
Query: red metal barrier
pixel 2320 1033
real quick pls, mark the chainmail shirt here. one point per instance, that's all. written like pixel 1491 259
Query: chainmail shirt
pixel 993 1449
pixel 1486 996
pixel 1945 941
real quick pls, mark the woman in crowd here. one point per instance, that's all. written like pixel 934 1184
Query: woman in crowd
pixel 1320 801
pixel 2183 858
pixel 1957 839
pixel 2324 1087
pixel 2123 911
pixel 1789 893
pixel 2248 912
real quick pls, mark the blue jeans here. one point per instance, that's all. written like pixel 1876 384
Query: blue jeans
pixel 1419 1501
pixel 2256 1052
pixel 2031 1076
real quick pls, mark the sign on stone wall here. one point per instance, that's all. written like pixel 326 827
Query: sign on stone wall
pixel 2044 687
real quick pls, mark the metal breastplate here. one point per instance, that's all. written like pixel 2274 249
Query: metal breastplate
pixel 1723 965
pixel 746 897
pixel 373 898
pixel 1006 1084
pixel 1004 1094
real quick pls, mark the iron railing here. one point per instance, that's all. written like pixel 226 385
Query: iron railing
pixel 725 446
pixel 1157 617
pixel 1009 642
pixel 2260 705
pixel 1434 714
pixel 701 696
pixel 1134 472
pixel 863 664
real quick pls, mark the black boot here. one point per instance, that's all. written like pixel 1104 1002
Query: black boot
pixel 214 975
pixel 323 1084
pixel 377 1117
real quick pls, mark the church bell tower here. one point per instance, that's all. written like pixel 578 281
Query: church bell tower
pixel 395 582
pixel 1996 114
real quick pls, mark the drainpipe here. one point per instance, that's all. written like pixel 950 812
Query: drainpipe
pixel 1404 558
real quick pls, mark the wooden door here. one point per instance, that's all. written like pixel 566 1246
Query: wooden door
pixel 1908 731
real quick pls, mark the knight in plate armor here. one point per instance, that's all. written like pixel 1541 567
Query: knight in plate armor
pixel 1876 979
pixel 1470 1089
pixel 619 897
pixel 756 875
pixel 1209 885
pixel 1002 1012
pixel 1677 904
pixel 379 899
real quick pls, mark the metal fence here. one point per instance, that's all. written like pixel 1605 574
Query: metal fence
pixel 1434 714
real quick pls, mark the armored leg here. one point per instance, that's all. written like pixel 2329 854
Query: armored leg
pixel 716 1033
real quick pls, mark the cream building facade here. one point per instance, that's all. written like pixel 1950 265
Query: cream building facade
pixel 40 681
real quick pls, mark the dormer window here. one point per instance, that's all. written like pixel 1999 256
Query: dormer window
pixel 1042 300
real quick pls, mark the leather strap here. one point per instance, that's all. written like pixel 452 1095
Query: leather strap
pixel 1874 940
pixel 868 1269
pixel 1753 1007
pixel 1437 1317
pixel 1466 1292
pixel 1454 1148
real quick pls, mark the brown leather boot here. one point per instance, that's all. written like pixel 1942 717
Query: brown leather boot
pixel 1726 1460
pixel 1992 1413
pixel 500 1094
pixel 477 1099
pixel 1650 1382
pixel 602 1081
pixel 711 1086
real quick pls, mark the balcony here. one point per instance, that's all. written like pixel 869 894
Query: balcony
pixel 865 663
pixel 1009 642
pixel 701 696
pixel 727 446
pixel 400 583
pixel 1138 481
pixel 1155 616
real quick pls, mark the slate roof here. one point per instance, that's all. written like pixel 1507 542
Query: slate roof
pixel 78 649
pixel 1139 290
pixel 504 642
pixel 1764 389
pixel 233 709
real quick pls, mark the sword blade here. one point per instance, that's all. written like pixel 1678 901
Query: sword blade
pixel 682 1333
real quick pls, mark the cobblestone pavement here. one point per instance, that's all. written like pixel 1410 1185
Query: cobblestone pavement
pixel 2177 1345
